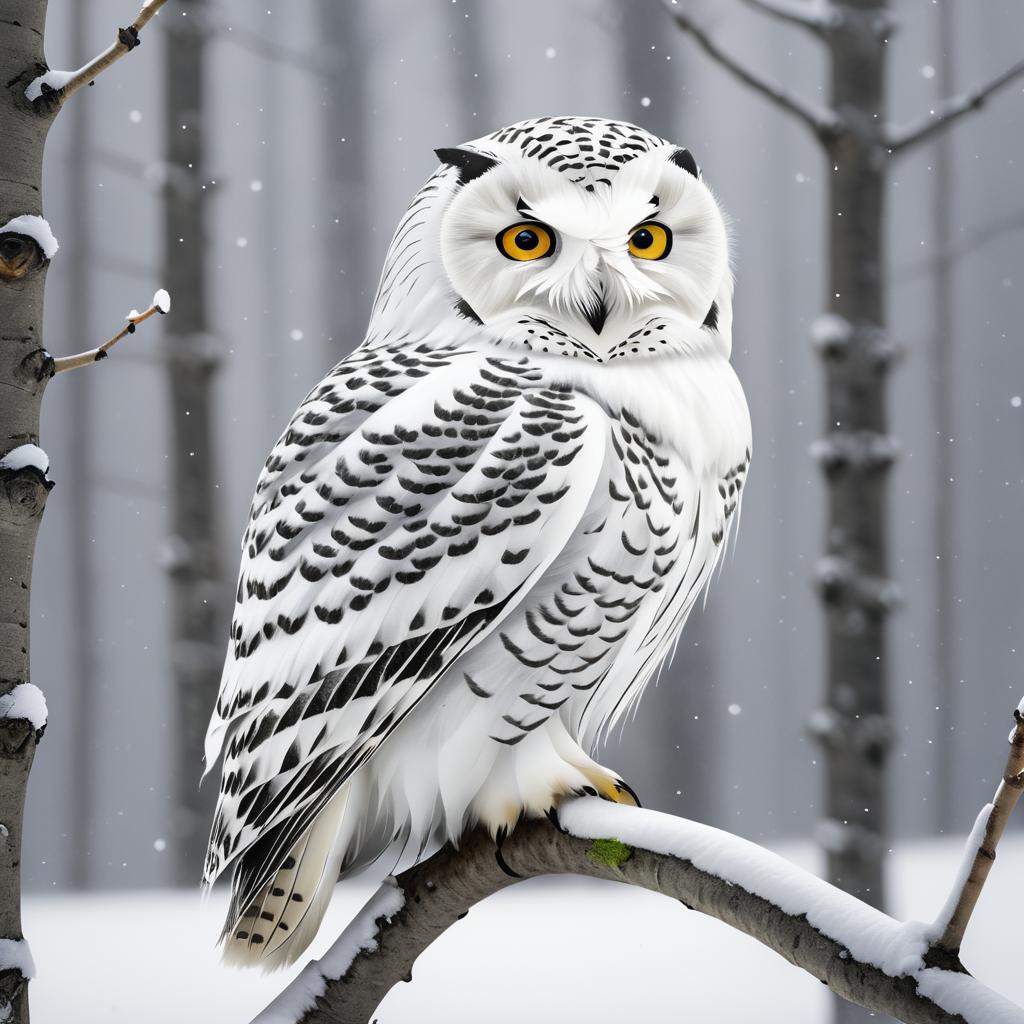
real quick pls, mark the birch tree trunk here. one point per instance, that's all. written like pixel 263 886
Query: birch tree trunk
pixel 856 453
pixel 24 372
pixel 942 399
pixel 197 637
pixel 347 285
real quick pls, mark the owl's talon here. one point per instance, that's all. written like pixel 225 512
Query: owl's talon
pixel 499 840
pixel 552 815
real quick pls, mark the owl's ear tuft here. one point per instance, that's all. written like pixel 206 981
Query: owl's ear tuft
pixel 684 158
pixel 470 164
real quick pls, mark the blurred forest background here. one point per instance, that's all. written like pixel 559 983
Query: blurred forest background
pixel 310 125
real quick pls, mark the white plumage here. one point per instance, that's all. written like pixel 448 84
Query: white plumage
pixel 482 532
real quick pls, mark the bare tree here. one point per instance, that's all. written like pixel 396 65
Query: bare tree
pixel 346 127
pixel 911 971
pixel 190 353
pixel 30 99
pixel 856 451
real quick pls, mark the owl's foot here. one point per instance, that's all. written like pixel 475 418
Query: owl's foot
pixel 611 787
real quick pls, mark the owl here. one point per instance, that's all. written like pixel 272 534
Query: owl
pixel 481 533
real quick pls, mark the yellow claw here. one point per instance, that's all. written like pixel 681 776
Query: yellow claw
pixel 612 788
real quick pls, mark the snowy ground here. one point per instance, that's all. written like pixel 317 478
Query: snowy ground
pixel 550 950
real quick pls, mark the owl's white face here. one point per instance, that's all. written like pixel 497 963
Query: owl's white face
pixel 577 266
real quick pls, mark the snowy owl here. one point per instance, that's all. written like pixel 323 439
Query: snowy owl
pixel 482 532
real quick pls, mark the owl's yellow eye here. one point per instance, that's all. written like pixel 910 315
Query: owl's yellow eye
pixel 650 241
pixel 526 241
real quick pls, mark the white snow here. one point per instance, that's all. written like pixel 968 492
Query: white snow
pixel 15 953
pixel 26 700
pixel 54 79
pixel 26 455
pixel 162 300
pixel 960 993
pixel 830 329
pixel 553 949
pixel 33 227
pixel 971 847
pixel 868 934
pixel 360 934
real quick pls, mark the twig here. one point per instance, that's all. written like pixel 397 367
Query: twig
pixel 980 853
pixel 859 952
pixel 826 124
pixel 161 304
pixel 126 41
pixel 950 111
pixel 812 15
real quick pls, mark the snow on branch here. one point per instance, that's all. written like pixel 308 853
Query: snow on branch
pixel 950 111
pixel 826 124
pixel 161 304
pixel 859 952
pixel 54 87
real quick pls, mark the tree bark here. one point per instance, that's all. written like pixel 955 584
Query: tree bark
pixel 856 454
pixel 381 945
pixel 347 287
pixel 24 372
pixel 942 399
pixel 197 636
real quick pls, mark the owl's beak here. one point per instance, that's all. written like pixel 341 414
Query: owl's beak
pixel 595 314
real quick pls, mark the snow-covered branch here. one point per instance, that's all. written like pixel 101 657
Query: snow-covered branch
pixel 161 304
pixel 859 952
pixel 826 124
pixel 54 87
pixel 980 851
pixel 950 111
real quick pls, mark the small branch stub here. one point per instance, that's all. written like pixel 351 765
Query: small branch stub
pixel 50 90
pixel 161 304
pixel 825 124
pixel 980 852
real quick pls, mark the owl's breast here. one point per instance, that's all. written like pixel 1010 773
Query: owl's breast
pixel 596 627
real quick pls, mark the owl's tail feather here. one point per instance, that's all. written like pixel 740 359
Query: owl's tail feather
pixel 277 926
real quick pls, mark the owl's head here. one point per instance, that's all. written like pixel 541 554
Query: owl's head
pixel 576 236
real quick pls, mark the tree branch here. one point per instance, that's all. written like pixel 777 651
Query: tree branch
pixel 161 304
pixel 950 111
pixel 859 952
pixel 815 16
pixel 980 852
pixel 53 88
pixel 825 124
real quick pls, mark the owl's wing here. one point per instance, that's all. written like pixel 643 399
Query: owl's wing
pixel 413 500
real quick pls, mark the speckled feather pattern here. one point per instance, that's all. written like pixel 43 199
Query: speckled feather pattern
pixel 466 556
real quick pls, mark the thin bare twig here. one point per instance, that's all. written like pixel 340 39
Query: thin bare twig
pixel 984 856
pixel 161 304
pixel 950 111
pixel 379 947
pixel 826 124
pixel 813 15
pixel 126 41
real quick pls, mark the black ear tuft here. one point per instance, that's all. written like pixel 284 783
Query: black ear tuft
pixel 470 164
pixel 684 158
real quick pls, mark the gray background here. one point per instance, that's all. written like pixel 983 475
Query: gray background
pixel 338 133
